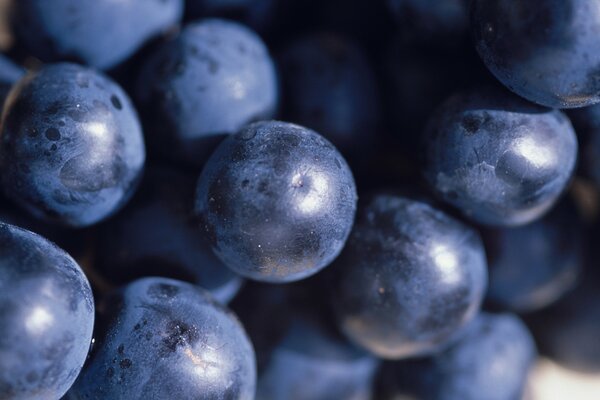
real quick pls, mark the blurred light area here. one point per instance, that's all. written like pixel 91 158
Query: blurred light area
pixel 38 321
pixel 447 263
pixel 550 381
pixel 6 39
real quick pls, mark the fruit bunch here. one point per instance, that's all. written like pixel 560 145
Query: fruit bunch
pixel 297 199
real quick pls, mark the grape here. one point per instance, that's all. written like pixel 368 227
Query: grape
pixel 72 149
pixel 46 317
pixel 163 338
pixel 410 278
pixel 277 201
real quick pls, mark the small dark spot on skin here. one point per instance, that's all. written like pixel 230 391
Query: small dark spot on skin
pixel 262 187
pixel 137 327
pixel 54 108
pixel 148 335
pixel 31 377
pixel 52 134
pixel 116 102
pixel 120 349
pixel 179 334
pixel 471 124
pixel 53 147
pixel 110 372
pixel 125 363
pixel 245 182
pixel 163 291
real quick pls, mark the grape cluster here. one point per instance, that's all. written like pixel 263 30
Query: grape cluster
pixel 297 199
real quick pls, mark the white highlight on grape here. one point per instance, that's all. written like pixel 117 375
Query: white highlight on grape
pixel 38 320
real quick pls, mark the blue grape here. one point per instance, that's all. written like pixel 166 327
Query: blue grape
pixel 533 266
pixel 163 339
pixel 46 317
pixel 207 82
pixel 99 33
pixel 545 51
pixel 71 146
pixel 491 361
pixel 500 160
pixel 277 201
pixel 311 364
pixel 410 278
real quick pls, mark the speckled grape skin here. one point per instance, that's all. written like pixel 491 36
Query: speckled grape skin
pixel 99 33
pixel 534 265
pixel 411 278
pixel 500 160
pixel 490 362
pixel 309 364
pixel 157 234
pixel 329 86
pixel 277 200
pixel 71 146
pixel 46 317
pixel 546 51
pixel 166 339
pixel 207 82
